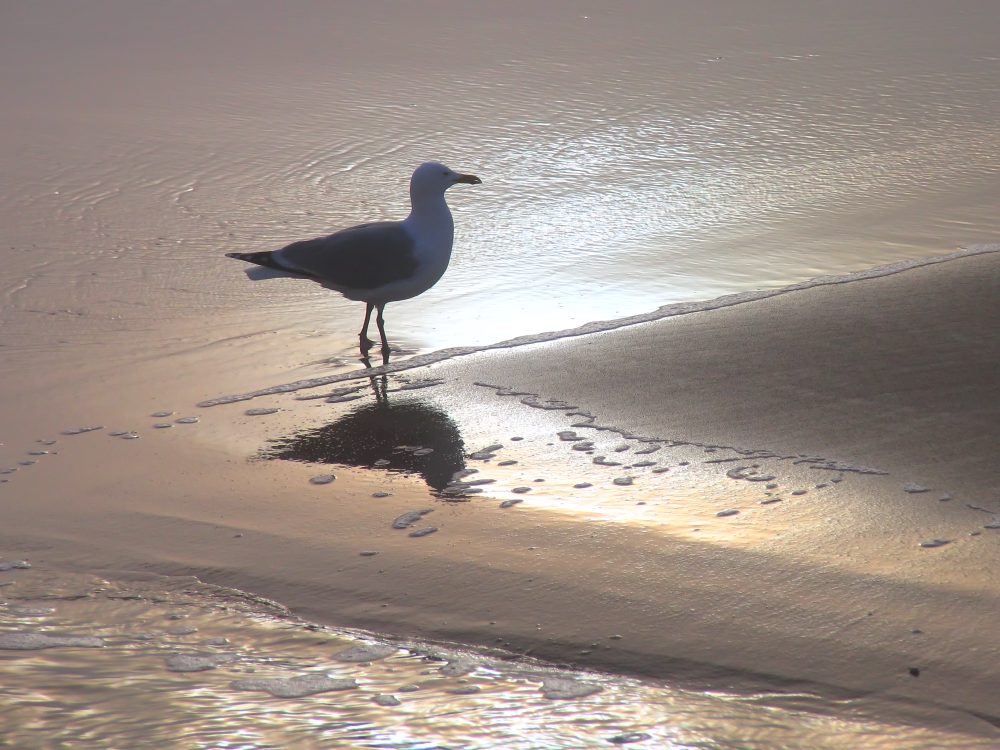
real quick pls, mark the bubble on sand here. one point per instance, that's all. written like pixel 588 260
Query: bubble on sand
pixel 945 497
pixel 913 488
pixel 36 641
pixel 368 553
pixel 161 414
pixel 459 667
pixel 750 474
pixel 381 462
pixel 565 688
pixel 162 425
pixel 935 543
pixel 487 453
pixel 15 565
pixel 365 652
pixel 406 520
pixel 385 700
pixel 423 532
pixel 622 481
pixel 546 404
pixel 423 451
pixel 260 412
pixel 8 471
pixel 582 485
pixel 413 385
pixel 511 503
pixel 21 611
pixel 295 687
pixel 727 512
pixel 322 479
pixel 187 420
pixel 39 453
pixel 521 490
pixel 81 430
pixel 627 737
pixel 196 662
pixel 769 500
pixel 131 435
pixel 30 462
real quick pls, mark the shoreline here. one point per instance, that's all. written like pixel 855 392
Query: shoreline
pixel 826 589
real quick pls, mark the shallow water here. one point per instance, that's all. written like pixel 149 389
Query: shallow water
pixel 630 159
pixel 171 662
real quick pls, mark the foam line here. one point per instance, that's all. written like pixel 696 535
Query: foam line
pixel 600 326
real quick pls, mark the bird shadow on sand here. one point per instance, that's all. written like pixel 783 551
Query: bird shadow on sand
pixel 409 436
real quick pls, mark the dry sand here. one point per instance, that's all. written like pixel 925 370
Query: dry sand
pixel 827 593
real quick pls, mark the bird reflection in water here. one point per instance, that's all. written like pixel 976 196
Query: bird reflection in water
pixel 390 435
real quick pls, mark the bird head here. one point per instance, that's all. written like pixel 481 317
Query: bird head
pixel 434 178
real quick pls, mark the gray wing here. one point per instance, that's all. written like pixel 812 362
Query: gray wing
pixel 362 257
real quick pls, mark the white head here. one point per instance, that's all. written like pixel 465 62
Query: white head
pixel 432 178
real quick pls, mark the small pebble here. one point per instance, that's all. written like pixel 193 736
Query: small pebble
pixel 408 519
pixel 161 414
pixel 582 485
pixel 622 481
pixel 424 531
pixel 935 543
pixel 322 479
pixel 727 512
pixel 511 503
pixel 627 737
pixel 386 700
pixel 368 553
pixel 381 494
pixel 187 420
pixel 911 487
pixel 521 490
pixel 259 412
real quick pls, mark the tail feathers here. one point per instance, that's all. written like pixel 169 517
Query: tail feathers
pixel 266 266
pixel 264 258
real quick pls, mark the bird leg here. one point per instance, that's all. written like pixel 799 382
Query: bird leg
pixel 380 321
pixel 363 340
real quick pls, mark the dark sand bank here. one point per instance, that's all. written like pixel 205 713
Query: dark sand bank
pixel 900 372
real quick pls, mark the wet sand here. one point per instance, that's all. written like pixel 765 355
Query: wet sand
pixel 826 591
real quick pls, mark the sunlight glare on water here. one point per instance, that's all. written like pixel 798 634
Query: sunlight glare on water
pixel 178 661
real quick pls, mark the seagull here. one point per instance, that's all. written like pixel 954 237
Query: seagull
pixel 376 263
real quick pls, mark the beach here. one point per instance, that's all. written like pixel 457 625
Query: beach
pixel 692 446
